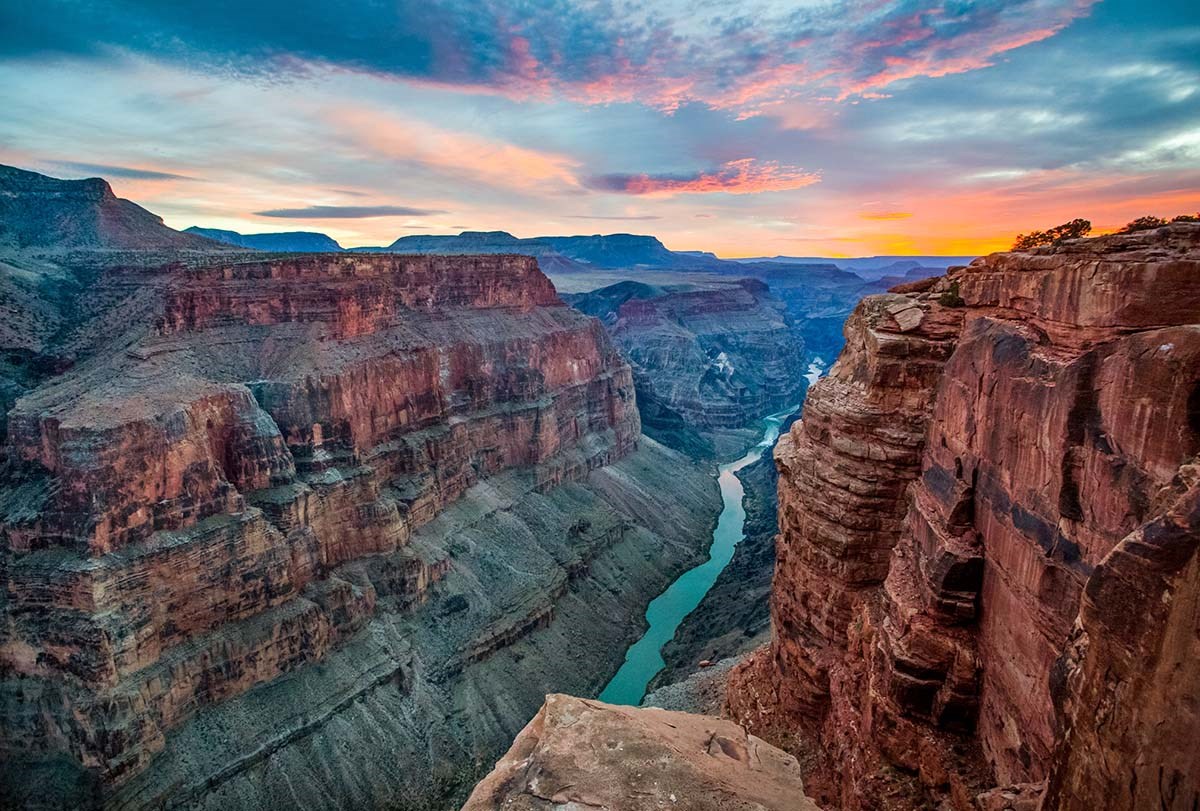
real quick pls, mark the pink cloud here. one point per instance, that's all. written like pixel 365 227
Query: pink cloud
pixel 868 49
pixel 451 153
pixel 745 176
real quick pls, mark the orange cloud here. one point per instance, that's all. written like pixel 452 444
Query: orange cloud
pixel 456 154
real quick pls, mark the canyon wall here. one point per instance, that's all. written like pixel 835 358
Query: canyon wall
pixel 986 572
pixel 293 507
pixel 709 360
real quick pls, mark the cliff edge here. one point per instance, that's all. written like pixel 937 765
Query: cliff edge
pixel 987 574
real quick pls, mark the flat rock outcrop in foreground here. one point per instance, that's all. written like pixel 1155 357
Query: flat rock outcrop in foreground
pixel 578 753
pixel 987 566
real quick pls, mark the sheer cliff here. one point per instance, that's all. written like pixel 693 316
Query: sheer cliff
pixel 988 529
pixel 319 529
pixel 988 563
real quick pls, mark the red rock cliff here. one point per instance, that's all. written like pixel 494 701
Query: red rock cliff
pixel 178 513
pixel 987 560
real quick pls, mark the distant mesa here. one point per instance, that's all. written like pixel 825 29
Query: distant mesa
pixel 41 212
pixel 287 242
pixel 566 254
pixel 872 268
pixel 597 250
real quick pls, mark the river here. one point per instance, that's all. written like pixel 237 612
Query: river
pixel 644 659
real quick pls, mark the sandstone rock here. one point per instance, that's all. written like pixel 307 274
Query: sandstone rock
pixel 1018 797
pixel 1127 694
pixel 581 753
pixel 989 517
pixel 184 514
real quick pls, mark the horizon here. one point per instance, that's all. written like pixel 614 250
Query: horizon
pixel 836 131
pixel 651 235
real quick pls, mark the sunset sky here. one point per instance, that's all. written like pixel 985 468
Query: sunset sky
pixel 752 128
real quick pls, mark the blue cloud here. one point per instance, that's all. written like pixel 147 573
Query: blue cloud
pixel 601 51
pixel 107 171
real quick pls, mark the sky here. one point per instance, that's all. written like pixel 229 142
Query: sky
pixel 755 128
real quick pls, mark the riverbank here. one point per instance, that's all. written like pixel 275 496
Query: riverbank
pixel 665 613
pixel 734 617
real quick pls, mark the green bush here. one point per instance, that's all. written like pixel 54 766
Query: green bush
pixel 951 298
pixel 1143 224
pixel 1054 236
pixel 1186 218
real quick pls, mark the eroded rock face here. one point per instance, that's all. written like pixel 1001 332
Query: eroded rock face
pixel 992 458
pixel 1126 695
pixel 189 513
pixel 704 358
pixel 578 753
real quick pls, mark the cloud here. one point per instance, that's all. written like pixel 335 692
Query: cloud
pixel 269 116
pixel 347 212
pixel 745 176
pixel 417 145
pixel 638 217
pixel 107 171
pixel 757 54
pixel 885 215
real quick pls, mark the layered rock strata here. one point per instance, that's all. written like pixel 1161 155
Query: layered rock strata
pixel 240 485
pixel 986 561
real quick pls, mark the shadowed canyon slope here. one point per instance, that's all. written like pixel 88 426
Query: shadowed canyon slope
pixel 320 529
pixel 986 569
pixel 50 214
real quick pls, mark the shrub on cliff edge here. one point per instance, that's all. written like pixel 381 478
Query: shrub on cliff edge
pixel 1054 236
pixel 952 298
pixel 1143 224
pixel 1150 222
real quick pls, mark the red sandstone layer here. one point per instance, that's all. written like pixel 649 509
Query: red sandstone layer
pixel 178 512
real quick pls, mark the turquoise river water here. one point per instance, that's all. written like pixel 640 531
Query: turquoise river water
pixel 644 659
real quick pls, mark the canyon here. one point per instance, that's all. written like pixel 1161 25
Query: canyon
pixel 316 529
pixel 986 584
pixel 328 528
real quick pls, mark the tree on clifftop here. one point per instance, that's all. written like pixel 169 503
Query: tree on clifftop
pixel 1150 222
pixel 1142 224
pixel 1054 236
